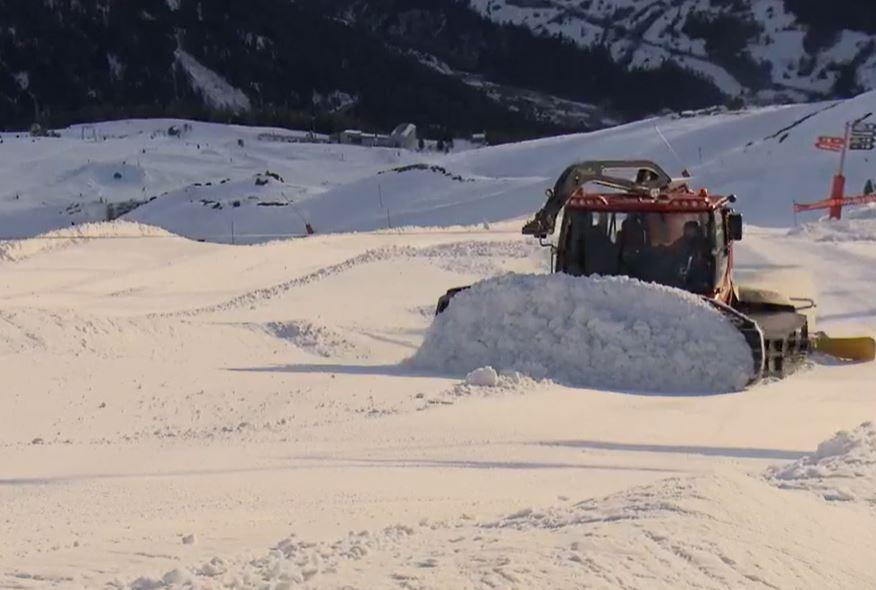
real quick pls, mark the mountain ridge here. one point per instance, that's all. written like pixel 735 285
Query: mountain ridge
pixel 512 68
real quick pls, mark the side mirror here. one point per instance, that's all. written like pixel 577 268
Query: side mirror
pixel 734 227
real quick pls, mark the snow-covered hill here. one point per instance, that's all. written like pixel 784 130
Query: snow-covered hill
pixel 55 182
pixel 754 48
pixel 180 415
pixel 224 183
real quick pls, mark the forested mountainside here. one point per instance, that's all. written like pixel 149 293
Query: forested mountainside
pixel 515 68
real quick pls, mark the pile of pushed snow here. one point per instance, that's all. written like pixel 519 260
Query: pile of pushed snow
pixel 860 228
pixel 588 331
pixel 842 468
pixel 16 250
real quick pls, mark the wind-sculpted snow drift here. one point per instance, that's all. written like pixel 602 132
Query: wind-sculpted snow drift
pixel 594 332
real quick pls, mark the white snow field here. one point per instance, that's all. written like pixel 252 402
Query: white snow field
pixel 180 414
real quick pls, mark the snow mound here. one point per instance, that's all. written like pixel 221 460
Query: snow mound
pixel 861 228
pixel 842 468
pixel 595 332
pixel 255 209
pixel 481 383
pixel 483 377
pixel 17 250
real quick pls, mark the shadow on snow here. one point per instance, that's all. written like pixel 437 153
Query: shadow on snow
pixel 736 452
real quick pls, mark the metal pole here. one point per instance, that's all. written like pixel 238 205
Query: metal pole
pixel 838 189
pixel 846 139
pixel 837 192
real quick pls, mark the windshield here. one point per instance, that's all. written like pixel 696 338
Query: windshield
pixel 670 249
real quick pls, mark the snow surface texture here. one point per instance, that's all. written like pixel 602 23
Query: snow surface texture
pixel 594 332
pixel 320 340
pixel 708 531
pixel 714 531
pixel 842 468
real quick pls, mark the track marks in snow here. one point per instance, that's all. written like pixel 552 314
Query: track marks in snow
pixel 710 531
pixel 472 257
pixel 320 340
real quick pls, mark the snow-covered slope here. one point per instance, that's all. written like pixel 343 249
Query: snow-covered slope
pixel 55 182
pixel 187 415
pixel 714 531
pixel 765 156
pixel 214 181
pixel 773 58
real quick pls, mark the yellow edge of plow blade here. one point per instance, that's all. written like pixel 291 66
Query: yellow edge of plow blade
pixel 861 348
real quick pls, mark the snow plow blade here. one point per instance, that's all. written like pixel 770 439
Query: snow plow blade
pixel 861 349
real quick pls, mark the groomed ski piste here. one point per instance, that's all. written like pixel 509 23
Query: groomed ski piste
pixel 182 412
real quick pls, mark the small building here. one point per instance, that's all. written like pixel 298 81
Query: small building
pixel 405 136
pixel 356 137
pixel 479 139
pixel 351 137
pixel 309 137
